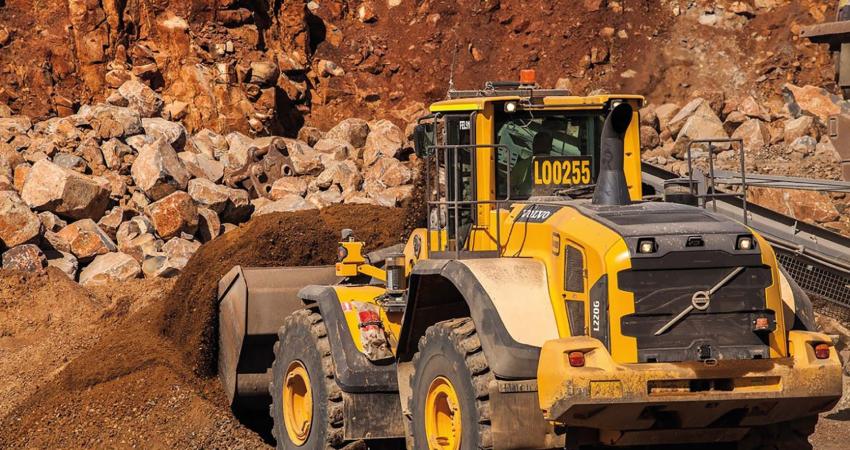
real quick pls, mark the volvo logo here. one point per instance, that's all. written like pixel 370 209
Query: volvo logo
pixel 701 300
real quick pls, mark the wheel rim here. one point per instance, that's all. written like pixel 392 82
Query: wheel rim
pixel 297 403
pixel 442 416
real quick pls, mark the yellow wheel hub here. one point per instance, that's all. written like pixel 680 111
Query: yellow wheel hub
pixel 297 403
pixel 442 416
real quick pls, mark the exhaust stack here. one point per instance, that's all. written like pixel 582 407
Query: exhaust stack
pixel 611 187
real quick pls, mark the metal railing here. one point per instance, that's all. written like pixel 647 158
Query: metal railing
pixel 711 192
pixel 457 205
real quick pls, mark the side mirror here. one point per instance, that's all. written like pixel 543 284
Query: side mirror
pixel 420 141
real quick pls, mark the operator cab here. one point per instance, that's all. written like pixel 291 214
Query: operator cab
pixel 513 142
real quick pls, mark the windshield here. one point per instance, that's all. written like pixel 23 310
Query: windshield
pixel 526 134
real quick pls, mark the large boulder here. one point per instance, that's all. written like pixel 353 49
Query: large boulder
pixel 812 100
pixel 697 107
pixel 751 108
pixel 801 126
pixel 14 126
pixel 807 206
pixel 112 220
pixel 109 268
pixel 354 131
pixel 233 204
pixel 390 172
pixel 173 132
pixel 699 126
pixel 18 224
pixel 201 165
pixel 289 185
pixel 754 133
pixel 141 247
pixel 264 73
pixel 158 170
pixel 239 149
pixel 305 160
pixel 345 174
pixel 117 155
pixel 85 240
pixel 109 121
pixel 49 187
pixel 174 214
pixel 649 137
pixel 180 248
pixel 210 143
pixel 336 149
pixel 25 258
pixel 384 140
pixel 288 203
pixel 141 98
pixel 393 196
pixel 326 198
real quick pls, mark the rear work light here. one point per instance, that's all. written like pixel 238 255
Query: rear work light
pixel 822 351
pixel 576 359
pixel 761 324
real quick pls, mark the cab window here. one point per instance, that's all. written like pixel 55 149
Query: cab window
pixel 526 134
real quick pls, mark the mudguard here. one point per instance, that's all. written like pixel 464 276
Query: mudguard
pixel 253 303
pixel 507 298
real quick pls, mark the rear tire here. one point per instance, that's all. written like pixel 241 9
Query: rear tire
pixel 792 435
pixel 303 374
pixel 451 377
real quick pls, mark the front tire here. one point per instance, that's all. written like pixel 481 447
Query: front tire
pixel 449 401
pixel 306 401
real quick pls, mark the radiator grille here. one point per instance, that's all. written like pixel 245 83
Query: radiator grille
pixel 574 268
pixel 816 280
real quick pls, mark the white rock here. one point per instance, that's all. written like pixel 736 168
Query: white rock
pixel 49 187
pixel 109 268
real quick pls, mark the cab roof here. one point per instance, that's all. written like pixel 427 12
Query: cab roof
pixel 552 101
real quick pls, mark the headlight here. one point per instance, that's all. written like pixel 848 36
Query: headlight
pixel 510 107
pixel 647 246
pixel 745 243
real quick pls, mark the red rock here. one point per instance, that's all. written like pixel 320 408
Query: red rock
pixel 174 214
pixel 18 224
pixel 85 239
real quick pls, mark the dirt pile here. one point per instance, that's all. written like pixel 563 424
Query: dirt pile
pixel 46 320
pixel 149 382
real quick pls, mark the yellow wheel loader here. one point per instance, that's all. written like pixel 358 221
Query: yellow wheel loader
pixel 546 304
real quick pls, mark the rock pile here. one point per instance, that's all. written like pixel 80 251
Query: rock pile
pixel 786 138
pixel 117 191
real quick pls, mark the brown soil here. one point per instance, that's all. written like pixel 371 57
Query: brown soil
pixel 149 380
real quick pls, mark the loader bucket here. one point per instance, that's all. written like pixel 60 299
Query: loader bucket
pixel 253 303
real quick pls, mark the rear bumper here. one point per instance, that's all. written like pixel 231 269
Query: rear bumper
pixel 686 396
